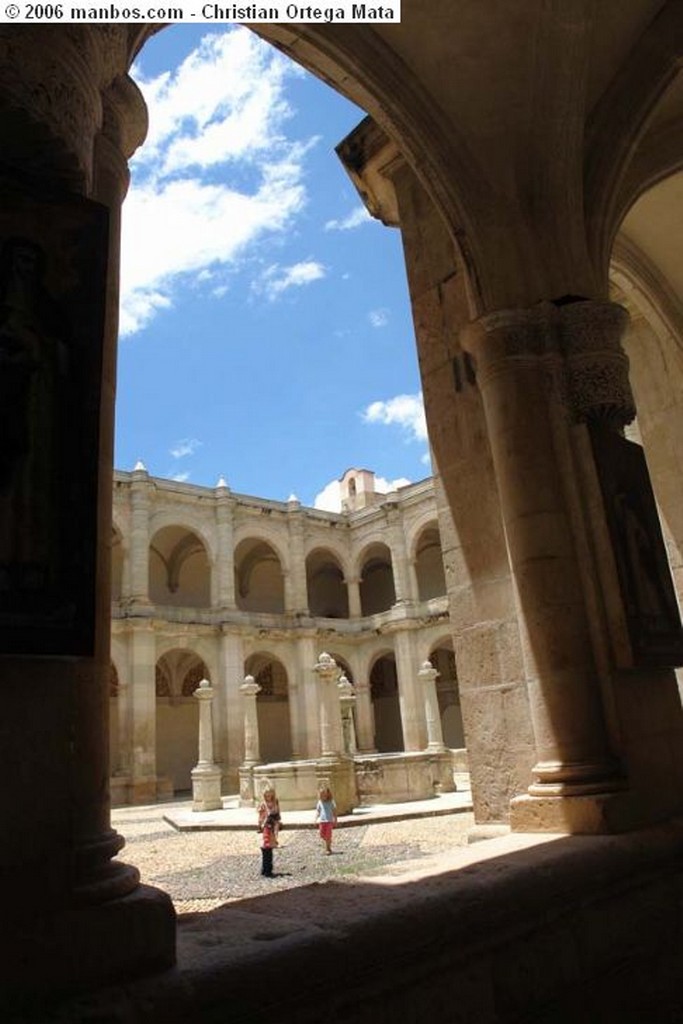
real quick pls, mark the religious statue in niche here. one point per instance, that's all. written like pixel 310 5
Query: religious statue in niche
pixel 647 591
pixel 52 284
pixel 34 365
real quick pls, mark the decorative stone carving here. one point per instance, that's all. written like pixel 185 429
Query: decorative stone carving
pixel 206 776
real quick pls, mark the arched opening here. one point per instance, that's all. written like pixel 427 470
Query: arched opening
pixel 178 674
pixel 179 569
pixel 377 591
pixel 448 695
pixel 431 579
pixel 272 707
pixel 327 594
pixel 385 704
pixel 259 580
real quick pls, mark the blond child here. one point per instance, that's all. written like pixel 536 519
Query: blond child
pixel 326 816
pixel 269 808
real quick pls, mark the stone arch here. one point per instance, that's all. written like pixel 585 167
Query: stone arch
pixel 325 581
pixel 428 560
pixel 272 706
pixel 385 703
pixel 442 657
pixel 177 675
pixel 377 590
pixel 179 569
pixel 259 577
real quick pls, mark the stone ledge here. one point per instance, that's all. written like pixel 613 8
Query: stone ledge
pixel 549 928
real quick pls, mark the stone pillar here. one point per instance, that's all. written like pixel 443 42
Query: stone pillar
pixel 252 752
pixel 306 740
pixel 231 669
pixel 331 740
pixel 365 722
pixel 143 712
pixel 297 592
pixel 399 556
pixel 428 676
pixel 347 699
pixel 353 590
pixel 224 575
pixel 206 776
pixel 521 379
pixel 77 916
pixel 139 535
pixel 410 698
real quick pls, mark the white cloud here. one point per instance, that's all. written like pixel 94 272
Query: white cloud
pixel 405 411
pixel 352 220
pixel 276 279
pixel 221 114
pixel 378 317
pixel 329 499
pixel 188 446
pixel 180 478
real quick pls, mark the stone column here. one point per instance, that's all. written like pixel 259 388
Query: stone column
pixel 297 591
pixel 252 753
pixel 139 535
pixel 143 712
pixel 410 698
pixel 347 699
pixel 331 740
pixel 224 574
pixel 206 776
pixel 428 676
pixel 399 557
pixel 76 914
pixel 365 723
pixel 353 590
pixel 231 669
pixel 521 379
pixel 307 721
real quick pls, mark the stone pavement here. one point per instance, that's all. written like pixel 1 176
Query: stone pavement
pixel 204 867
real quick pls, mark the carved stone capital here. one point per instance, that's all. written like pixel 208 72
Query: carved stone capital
pixel 507 338
pixel 598 384
pixel 51 84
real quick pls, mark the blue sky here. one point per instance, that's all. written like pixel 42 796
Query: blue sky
pixel 265 326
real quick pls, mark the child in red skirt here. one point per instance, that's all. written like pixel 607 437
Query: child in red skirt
pixel 326 816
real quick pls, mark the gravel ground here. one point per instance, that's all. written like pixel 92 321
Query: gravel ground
pixel 202 870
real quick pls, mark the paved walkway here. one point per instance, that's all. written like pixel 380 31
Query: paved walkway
pixel 203 865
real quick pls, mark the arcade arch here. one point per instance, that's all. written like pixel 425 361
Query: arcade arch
pixel 259 579
pixel 177 675
pixel 385 704
pixel 428 558
pixel 377 590
pixel 179 569
pixel 327 594
pixel 272 706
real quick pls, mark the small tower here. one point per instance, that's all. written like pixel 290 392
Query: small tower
pixel 357 489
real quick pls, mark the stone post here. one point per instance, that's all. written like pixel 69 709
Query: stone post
pixel 206 776
pixel 428 676
pixel 365 722
pixel 252 752
pixel 347 699
pixel 411 700
pixel 353 590
pixel 331 740
pixel 223 576
pixel 297 594
pixel 399 557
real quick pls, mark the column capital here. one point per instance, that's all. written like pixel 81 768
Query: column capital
pixel 577 343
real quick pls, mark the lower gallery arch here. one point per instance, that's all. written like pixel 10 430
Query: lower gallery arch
pixel 386 705
pixel 178 674
pixel 448 694
pixel 272 707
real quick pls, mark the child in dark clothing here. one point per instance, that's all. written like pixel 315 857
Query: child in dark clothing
pixel 268 841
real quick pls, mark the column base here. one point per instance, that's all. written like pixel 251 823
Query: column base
pixel 591 814
pixel 206 788
pixel 74 949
